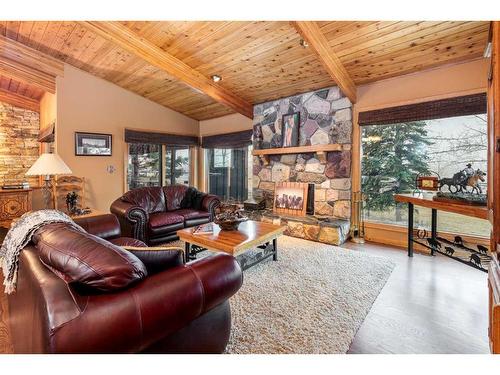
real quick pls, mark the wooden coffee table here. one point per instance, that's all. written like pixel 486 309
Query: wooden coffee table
pixel 250 234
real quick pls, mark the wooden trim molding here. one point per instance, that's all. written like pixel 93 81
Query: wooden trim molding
pixel 40 61
pixel 27 74
pixel 397 235
pixel 450 107
pixel 125 38
pixel 310 32
pixel 19 100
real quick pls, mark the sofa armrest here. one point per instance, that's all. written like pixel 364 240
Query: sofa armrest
pixel 132 218
pixel 104 226
pixel 210 203
pixel 151 310
pixel 157 259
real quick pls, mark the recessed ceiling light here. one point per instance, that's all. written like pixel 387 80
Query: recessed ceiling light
pixel 304 43
pixel 216 78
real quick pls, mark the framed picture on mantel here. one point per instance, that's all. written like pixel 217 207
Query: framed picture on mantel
pixel 93 144
pixel 290 130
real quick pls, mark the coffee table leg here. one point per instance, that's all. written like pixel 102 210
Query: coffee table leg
pixel 275 249
pixel 187 250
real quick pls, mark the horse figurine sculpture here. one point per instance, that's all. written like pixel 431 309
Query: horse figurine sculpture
pixel 463 179
pixel 473 181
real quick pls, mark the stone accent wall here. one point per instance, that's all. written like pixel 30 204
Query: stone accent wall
pixel 325 118
pixel 19 130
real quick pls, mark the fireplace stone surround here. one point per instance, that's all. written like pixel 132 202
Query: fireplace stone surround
pixel 325 118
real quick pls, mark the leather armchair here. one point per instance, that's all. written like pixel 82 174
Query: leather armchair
pixel 175 309
pixel 154 214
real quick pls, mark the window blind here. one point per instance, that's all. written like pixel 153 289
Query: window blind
pixel 228 140
pixel 135 136
pixel 458 106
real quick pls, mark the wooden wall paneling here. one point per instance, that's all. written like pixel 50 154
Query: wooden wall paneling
pixel 126 39
pixel 259 61
pixel 422 50
pixel 19 100
pixel 311 32
pixel 12 29
pixel 26 74
pixel 44 42
pixel 345 31
pixel 22 54
pixel 412 40
pixel 37 32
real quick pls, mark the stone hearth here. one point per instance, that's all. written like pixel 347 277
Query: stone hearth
pixel 310 227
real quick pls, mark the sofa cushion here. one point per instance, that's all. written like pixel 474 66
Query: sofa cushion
pixel 190 214
pixel 162 219
pixel 174 195
pixel 193 199
pixel 151 199
pixel 86 260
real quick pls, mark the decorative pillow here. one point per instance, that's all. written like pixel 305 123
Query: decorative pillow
pixel 193 199
pixel 158 258
pixel 83 259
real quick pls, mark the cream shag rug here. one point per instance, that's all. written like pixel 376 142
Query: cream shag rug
pixel 312 300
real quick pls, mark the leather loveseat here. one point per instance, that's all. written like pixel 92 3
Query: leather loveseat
pixel 155 214
pixel 79 293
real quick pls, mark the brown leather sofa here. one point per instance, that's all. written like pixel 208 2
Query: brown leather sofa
pixel 155 214
pixel 79 293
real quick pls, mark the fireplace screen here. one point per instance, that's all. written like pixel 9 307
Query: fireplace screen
pixel 290 198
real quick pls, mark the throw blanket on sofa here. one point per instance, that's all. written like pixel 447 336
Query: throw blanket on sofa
pixel 20 235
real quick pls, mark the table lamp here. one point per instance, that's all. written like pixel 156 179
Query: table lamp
pixel 48 165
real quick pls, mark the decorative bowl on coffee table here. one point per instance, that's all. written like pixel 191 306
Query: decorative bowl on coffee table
pixel 229 216
pixel 230 224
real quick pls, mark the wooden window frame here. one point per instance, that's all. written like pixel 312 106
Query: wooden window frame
pixel 390 234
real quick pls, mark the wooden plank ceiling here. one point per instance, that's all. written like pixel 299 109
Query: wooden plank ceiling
pixel 258 61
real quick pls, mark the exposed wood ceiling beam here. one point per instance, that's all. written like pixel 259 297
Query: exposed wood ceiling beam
pixel 310 32
pixel 19 100
pixel 31 57
pixel 125 38
pixel 27 74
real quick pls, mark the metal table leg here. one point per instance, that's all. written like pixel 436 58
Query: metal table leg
pixel 410 229
pixel 433 228
pixel 275 249
pixel 187 250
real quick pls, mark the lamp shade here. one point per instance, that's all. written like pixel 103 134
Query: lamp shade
pixel 48 164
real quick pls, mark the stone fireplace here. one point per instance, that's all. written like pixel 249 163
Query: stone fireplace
pixel 325 124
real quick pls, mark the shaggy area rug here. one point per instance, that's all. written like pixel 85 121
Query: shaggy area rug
pixel 312 300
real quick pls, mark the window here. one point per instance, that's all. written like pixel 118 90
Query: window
pixel 393 155
pixel 144 165
pixel 156 165
pixel 176 166
pixel 227 172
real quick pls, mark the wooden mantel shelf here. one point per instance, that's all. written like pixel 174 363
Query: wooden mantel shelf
pixel 320 150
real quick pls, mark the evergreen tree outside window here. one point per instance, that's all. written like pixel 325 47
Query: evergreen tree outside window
pixel 144 165
pixel 157 165
pixel 392 156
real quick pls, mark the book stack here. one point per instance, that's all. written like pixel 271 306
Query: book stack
pixel 204 229
pixel 24 185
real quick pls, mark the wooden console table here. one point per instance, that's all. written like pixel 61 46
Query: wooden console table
pixel 480 212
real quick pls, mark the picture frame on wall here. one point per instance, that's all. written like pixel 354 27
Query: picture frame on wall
pixel 93 144
pixel 290 130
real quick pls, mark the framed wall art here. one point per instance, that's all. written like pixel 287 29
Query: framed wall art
pixel 290 130
pixel 93 144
